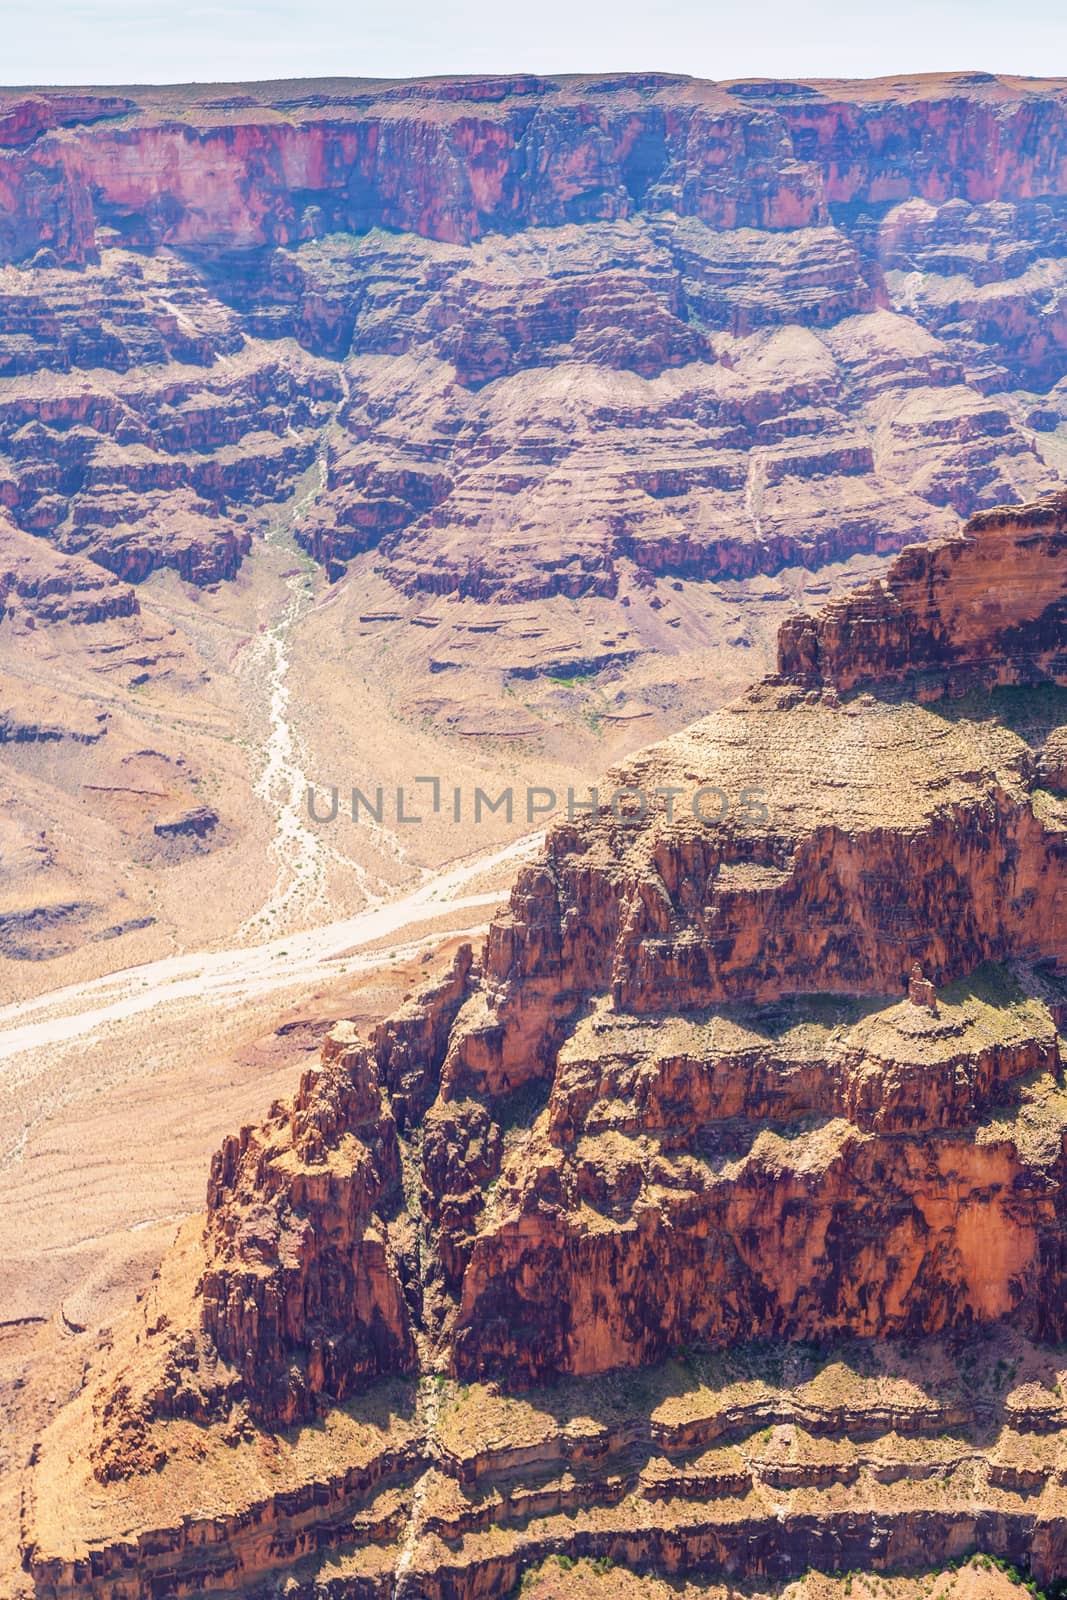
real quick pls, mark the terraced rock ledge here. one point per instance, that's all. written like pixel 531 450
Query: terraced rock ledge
pixel 709 1223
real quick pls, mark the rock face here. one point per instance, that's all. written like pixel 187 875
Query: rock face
pixel 311 1283
pixel 542 334
pixel 985 609
pixel 153 458
pixel 690 1188
pixel 297 1218
pixel 772 1051
pixel 523 151
pixel 40 586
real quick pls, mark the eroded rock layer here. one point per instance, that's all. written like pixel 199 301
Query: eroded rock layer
pixel 712 1223
pixel 986 609
pixel 541 333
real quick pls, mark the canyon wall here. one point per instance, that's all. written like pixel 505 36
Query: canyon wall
pixel 766 1106
pixel 985 609
pixel 498 350
pixel 454 160
pixel 573 387
pixel 891 837
pixel 888 836
pixel 560 338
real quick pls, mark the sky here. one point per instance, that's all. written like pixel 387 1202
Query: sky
pixel 180 41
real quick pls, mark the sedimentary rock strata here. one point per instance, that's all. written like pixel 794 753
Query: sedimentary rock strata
pixel 299 1213
pixel 38 585
pixel 758 1465
pixel 985 609
pixel 711 1223
pixel 576 327
pixel 565 386
pixel 151 457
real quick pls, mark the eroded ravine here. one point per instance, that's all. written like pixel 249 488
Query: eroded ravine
pixel 210 976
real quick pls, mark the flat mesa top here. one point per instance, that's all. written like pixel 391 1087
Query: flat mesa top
pixel 856 765
pixel 340 97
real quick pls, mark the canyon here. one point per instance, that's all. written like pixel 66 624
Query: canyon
pixel 706 1221
pixel 541 402
pixel 700 1229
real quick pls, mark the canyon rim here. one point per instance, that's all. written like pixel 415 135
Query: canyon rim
pixel 670 1206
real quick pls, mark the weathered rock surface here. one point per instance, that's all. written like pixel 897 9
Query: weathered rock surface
pixel 683 1194
pixel 38 585
pixel 154 464
pixel 786 1068
pixel 986 609
pixel 577 328
pixel 579 384
pixel 301 1262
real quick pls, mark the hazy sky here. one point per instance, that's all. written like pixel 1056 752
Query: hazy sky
pixel 169 41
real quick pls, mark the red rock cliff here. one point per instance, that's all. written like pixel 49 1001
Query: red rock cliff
pixel 985 609
pixel 797 319
pixel 696 1093
pixel 859 838
pixel 454 160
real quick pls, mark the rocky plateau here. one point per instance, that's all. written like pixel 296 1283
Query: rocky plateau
pixel 706 1224
pixel 702 1232
pixel 570 389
